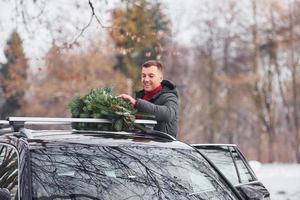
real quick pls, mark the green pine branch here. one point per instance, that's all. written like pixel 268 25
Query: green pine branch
pixel 103 103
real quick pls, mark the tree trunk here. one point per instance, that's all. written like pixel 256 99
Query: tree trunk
pixel 294 82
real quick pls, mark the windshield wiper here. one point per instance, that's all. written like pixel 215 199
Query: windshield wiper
pixel 70 196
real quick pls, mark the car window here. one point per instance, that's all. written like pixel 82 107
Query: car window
pixel 123 172
pixel 9 169
pixel 229 162
pixel 245 175
pixel 221 157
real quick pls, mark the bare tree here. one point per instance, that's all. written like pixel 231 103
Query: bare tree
pixel 293 64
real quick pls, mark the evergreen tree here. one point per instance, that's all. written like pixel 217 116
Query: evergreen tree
pixel 140 32
pixel 13 75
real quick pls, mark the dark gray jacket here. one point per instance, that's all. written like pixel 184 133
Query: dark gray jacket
pixel 164 106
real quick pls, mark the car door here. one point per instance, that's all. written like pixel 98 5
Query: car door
pixel 232 163
pixel 9 170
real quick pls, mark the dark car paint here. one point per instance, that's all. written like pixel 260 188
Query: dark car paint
pixel 4 194
pixel 24 164
pixel 253 190
pixel 23 145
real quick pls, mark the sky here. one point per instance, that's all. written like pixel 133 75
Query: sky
pixel 63 21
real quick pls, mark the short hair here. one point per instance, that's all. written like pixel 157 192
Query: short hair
pixel 155 63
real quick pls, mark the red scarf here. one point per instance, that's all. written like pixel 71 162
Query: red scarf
pixel 148 95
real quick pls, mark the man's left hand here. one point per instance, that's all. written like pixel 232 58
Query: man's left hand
pixel 129 98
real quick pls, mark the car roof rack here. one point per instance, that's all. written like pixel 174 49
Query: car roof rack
pixel 5 127
pixel 3 123
pixel 18 124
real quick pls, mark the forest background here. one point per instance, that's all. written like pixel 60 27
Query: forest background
pixel 237 74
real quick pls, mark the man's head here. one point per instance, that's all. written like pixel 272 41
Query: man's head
pixel 152 75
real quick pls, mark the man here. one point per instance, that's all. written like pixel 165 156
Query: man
pixel 159 97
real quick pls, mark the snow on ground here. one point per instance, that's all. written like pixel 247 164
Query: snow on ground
pixel 282 180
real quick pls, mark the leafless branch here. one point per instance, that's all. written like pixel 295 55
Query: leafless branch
pixel 97 18
pixel 89 23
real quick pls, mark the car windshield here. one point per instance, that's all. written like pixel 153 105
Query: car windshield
pixel 132 172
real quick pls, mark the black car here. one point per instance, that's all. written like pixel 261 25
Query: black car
pixel 233 164
pixel 87 164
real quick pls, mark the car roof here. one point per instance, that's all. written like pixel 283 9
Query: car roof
pixel 39 138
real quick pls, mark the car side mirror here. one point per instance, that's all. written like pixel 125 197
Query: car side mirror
pixel 254 192
pixel 4 194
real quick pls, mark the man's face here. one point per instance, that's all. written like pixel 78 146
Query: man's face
pixel 151 78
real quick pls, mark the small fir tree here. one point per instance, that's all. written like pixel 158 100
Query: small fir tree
pixel 13 77
pixel 141 32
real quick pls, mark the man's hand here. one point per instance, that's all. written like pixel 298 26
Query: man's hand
pixel 128 98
